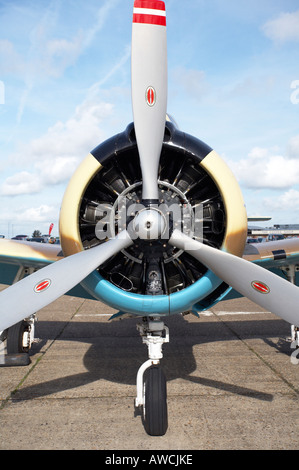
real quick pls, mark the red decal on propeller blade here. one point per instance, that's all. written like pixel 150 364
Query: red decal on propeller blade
pixel 43 285
pixel 150 96
pixel 260 287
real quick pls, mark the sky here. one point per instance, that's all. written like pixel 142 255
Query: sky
pixel 65 87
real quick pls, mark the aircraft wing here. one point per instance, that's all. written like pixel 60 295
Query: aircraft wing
pixel 274 254
pixel 16 255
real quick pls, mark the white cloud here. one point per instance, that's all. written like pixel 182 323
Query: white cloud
pixel 284 28
pixel 41 213
pixel 21 183
pixel 57 170
pixel 288 201
pixel 25 214
pixel 56 154
pixel 72 138
pixel 264 168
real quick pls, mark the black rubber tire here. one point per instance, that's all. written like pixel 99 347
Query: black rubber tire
pixel 15 338
pixel 155 416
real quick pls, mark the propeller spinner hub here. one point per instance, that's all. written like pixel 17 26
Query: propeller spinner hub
pixel 150 224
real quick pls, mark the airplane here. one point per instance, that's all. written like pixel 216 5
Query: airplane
pixel 152 223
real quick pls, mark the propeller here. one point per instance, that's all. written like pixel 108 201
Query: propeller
pixel 34 292
pixel 254 282
pixel 149 101
pixel 149 88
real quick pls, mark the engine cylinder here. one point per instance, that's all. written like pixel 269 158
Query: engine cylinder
pixel 197 194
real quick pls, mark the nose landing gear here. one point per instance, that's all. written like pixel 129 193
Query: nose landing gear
pixel 151 383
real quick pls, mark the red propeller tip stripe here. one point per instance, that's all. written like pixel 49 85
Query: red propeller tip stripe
pixel 149 12
pixel 153 5
pixel 149 19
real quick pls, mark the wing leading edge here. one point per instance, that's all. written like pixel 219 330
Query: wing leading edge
pixel 275 254
pixel 18 256
pixel 280 257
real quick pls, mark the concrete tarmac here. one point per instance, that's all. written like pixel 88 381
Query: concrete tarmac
pixel 230 382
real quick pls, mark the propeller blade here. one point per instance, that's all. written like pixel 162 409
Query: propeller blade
pixel 149 88
pixel 44 286
pixel 254 282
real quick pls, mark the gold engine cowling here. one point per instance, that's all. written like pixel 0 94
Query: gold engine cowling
pixel 190 174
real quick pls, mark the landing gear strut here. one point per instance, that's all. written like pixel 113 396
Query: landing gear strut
pixel 151 383
pixel 21 336
pixel 290 272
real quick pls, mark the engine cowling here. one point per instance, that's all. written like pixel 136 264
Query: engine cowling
pixel 103 196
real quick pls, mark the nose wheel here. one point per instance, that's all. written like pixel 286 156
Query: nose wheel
pixel 151 397
pixel 155 418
